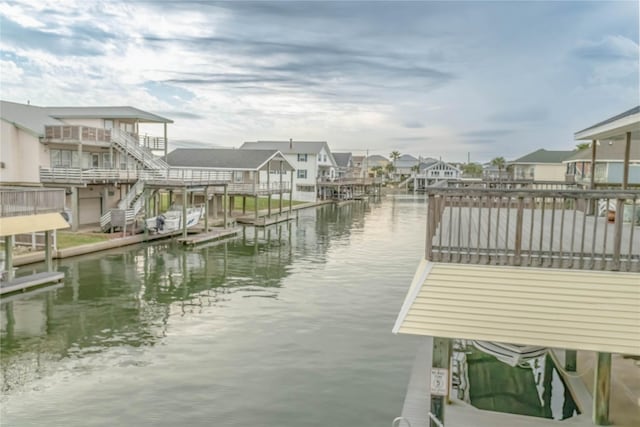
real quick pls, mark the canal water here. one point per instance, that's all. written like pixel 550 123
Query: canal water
pixel 291 327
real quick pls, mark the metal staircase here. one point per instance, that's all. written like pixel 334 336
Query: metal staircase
pixel 132 203
pixel 125 142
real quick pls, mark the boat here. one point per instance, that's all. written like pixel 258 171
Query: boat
pixel 171 220
pixel 511 354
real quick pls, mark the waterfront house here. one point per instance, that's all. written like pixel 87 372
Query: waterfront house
pixel 405 165
pixel 96 153
pixel 528 268
pixel 432 171
pixel 540 165
pixel 312 161
pixel 345 167
pixel 609 165
pixel 248 173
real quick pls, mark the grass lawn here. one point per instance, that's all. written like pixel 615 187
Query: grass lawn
pixel 68 240
pixel 262 203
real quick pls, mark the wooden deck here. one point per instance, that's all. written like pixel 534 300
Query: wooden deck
pixel 209 236
pixel 26 282
pixel 553 237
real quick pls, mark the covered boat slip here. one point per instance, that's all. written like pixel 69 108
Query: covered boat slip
pixel 557 308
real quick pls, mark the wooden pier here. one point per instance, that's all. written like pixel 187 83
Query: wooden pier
pixel 204 237
pixel 27 282
pixel 264 221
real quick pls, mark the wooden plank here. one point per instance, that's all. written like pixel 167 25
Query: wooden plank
pixel 26 282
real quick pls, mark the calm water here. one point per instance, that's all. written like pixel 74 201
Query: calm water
pixel 290 329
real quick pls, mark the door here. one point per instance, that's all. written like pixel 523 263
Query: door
pixel 90 209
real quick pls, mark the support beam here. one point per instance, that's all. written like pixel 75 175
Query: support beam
pixel 224 205
pixel 244 205
pixel 8 256
pixel 166 142
pixel 291 194
pixel 184 212
pixel 280 189
pixel 80 156
pixel 206 209
pixel 627 155
pixel 602 390
pixel 269 188
pixel 47 250
pixel 75 208
pixel 440 362
pixel 592 180
pixel 256 206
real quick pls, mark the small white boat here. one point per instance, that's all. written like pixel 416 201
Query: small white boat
pixel 511 354
pixel 171 220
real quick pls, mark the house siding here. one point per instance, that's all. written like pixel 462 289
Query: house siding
pixel 17 151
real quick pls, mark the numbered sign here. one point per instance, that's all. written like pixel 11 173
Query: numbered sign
pixel 439 381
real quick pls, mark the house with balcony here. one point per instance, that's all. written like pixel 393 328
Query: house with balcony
pixel 431 172
pixel 345 166
pixel 312 161
pixel 609 165
pixel 540 165
pixel 96 153
pixel 248 174
pixel 405 165
pixel 529 276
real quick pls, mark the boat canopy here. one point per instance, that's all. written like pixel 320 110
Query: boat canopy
pixel 569 309
pixel 13 225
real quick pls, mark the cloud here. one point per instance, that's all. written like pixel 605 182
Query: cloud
pixel 521 115
pixel 608 48
pixel 486 133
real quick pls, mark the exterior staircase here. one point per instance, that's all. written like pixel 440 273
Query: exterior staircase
pixel 132 203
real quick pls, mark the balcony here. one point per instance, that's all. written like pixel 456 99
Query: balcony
pixel 77 134
pixel 558 228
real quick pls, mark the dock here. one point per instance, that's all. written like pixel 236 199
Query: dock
pixel 264 221
pixel 27 282
pixel 209 236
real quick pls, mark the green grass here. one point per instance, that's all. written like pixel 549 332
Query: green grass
pixel 68 240
pixel 262 203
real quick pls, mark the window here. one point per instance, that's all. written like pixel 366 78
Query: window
pixel 305 188
pixel 302 173
pixel 106 160
pixel 108 124
pixel 237 177
pixel 324 158
pixel 302 157
pixel 448 173
pixel 319 157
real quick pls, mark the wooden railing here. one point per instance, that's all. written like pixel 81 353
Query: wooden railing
pixel 15 202
pixel 65 133
pixel 597 229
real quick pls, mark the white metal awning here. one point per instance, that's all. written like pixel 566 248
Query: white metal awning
pixel 571 309
pixel 12 225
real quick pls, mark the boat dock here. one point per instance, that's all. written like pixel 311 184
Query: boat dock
pixel 26 282
pixel 264 221
pixel 208 236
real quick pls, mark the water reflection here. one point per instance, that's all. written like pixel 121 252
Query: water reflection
pixel 126 298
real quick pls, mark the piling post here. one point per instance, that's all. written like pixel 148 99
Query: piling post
pixel 602 390
pixel 206 209
pixel 224 205
pixel 75 209
pixel 8 256
pixel 47 250
pixel 184 212
pixel 439 378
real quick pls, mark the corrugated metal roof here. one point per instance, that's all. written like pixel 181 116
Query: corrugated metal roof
pixel 13 225
pixel 287 147
pixel 124 112
pixel 222 158
pixel 608 150
pixel 544 156
pixel 30 118
pixel 572 309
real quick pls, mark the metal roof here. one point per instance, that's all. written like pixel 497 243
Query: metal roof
pixel 342 159
pixel 123 112
pixel 607 151
pixel 29 118
pixel 544 156
pixel 613 127
pixel 224 158
pixel 289 147
pixel 13 225
pixel 571 309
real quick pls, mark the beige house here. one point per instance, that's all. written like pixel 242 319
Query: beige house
pixel 540 165
pixel 96 153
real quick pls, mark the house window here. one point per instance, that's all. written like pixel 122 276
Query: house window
pixel 448 173
pixel 108 124
pixel 302 157
pixel 324 158
pixel 237 177
pixel 106 160
pixel 302 173
pixel 319 157
pixel 305 188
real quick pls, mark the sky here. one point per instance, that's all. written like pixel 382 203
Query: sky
pixel 455 80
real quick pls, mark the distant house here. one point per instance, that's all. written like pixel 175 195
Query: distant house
pixel 405 165
pixel 540 165
pixel 312 161
pixel 374 161
pixel 609 164
pixel 345 168
pixel 358 166
pixel 433 171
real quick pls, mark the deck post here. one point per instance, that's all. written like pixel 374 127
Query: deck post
pixel 256 206
pixel 8 256
pixel 431 210
pixel 440 384
pixel 291 193
pixel 206 209
pixel 214 205
pixel 224 205
pixel 280 189
pixel 519 221
pixel 244 205
pixel 166 142
pixel 184 212
pixel 75 209
pixel 47 250
pixel 269 188
pixel 570 360
pixel 617 237
pixel 627 155
pixel 602 390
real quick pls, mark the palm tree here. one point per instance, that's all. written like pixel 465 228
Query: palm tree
pixel 583 145
pixel 389 167
pixel 499 162
pixel 376 169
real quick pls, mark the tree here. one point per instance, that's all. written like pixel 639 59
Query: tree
pixel 583 145
pixel 498 162
pixel 472 169
pixel 389 167
pixel 415 168
pixel 395 155
pixel 376 169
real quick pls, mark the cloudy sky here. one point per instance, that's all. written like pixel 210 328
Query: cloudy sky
pixel 427 78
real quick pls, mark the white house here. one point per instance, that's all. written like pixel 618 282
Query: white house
pixel 540 165
pixel 433 171
pixel 312 161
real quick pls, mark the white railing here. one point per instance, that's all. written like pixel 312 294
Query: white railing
pixel 15 202
pixel 259 188
pixel 87 175
pixel 131 146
